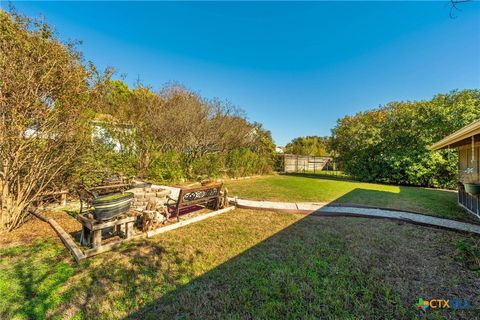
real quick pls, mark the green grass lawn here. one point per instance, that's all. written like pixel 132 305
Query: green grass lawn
pixel 312 188
pixel 245 264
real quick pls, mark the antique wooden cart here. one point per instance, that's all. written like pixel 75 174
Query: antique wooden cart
pixel 106 211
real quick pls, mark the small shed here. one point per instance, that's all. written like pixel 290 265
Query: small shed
pixel 467 142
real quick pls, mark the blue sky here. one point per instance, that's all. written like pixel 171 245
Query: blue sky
pixel 295 67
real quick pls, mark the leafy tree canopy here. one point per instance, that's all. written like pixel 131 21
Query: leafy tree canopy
pixel 390 144
pixel 46 97
pixel 309 146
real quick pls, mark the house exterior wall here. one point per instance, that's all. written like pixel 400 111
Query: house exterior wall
pixel 468 165
pixel 469 201
pixel 465 162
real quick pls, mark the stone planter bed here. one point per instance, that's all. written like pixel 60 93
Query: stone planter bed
pixel 99 235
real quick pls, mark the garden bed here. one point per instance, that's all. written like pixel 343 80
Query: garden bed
pixel 112 240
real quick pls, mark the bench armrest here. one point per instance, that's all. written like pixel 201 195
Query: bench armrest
pixel 174 201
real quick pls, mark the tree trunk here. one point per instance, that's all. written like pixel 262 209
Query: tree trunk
pixel 12 214
pixel 12 217
pixel 144 164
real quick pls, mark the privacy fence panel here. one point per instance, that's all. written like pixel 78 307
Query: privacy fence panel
pixel 299 163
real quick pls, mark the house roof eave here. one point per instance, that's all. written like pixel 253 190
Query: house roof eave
pixel 456 137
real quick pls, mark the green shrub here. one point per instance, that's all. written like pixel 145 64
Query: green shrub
pixel 167 166
pixel 102 162
pixel 468 252
pixel 279 163
pixel 209 166
pixel 390 144
pixel 242 162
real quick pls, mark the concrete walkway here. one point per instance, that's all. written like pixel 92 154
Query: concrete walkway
pixel 328 209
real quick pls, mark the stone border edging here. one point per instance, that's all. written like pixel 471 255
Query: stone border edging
pixel 328 209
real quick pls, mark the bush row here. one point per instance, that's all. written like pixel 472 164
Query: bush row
pixel 390 144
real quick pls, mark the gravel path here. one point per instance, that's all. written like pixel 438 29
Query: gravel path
pixel 332 210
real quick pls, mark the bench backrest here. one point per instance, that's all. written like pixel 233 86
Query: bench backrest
pixel 193 196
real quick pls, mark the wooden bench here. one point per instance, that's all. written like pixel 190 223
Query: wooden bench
pixel 209 196
pixel 60 196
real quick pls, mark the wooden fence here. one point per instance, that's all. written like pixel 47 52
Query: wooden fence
pixel 299 163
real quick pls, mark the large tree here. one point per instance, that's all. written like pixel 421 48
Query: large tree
pixel 309 146
pixel 45 94
pixel 390 144
pixel 176 120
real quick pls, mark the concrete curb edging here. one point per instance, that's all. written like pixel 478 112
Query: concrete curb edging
pixel 326 209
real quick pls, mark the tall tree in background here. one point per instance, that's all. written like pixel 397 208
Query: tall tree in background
pixel 196 126
pixel 174 128
pixel 308 146
pixel 45 94
pixel 390 144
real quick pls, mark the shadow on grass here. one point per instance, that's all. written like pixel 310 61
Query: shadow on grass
pixel 292 274
pixel 332 270
pixel 324 176
pixel 40 281
pixel 30 286
pixel 437 203
pixel 131 277
pixel 318 268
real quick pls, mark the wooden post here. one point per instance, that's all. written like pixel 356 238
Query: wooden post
pixel 459 194
pixel 129 230
pixel 63 199
pixel 478 209
pixel 120 228
pixel 96 238
pixel 477 204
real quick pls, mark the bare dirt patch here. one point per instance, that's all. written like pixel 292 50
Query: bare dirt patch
pixel 36 229
pixel 30 231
